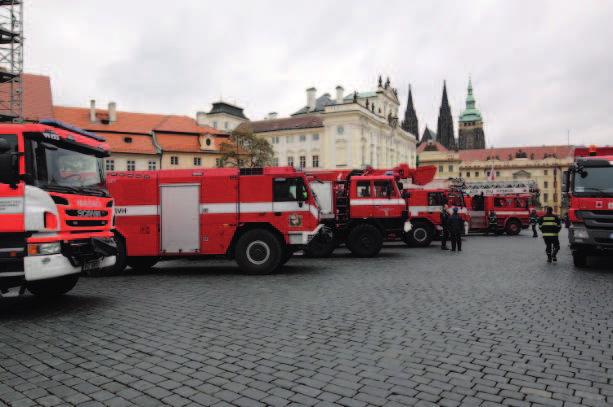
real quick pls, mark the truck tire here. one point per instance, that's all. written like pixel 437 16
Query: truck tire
pixel 579 259
pixel 365 240
pixel 321 246
pixel 142 264
pixel 259 252
pixel 53 287
pixel 421 235
pixel 513 227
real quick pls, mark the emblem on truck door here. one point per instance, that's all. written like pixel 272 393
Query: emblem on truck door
pixel 295 220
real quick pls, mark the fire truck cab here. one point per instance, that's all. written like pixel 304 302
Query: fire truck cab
pixel 360 209
pixel 55 214
pixel 512 212
pixel 257 216
pixel 588 186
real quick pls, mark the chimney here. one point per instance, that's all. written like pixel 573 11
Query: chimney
pixel 339 94
pixel 112 112
pixel 311 98
pixel 272 116
pixel 92 110
pixel 201 118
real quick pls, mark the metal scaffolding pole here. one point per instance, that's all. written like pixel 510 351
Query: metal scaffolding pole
pixel 11 60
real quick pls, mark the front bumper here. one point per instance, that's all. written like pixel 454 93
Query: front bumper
pixel 590 240
pixel 54 265
pixel 304 238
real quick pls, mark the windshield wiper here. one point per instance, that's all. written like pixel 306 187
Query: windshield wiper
pixel 60 188
pixel 94 191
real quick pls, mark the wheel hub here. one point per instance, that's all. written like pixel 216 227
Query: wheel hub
pixel 258 252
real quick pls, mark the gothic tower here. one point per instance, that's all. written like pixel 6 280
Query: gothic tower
pixel 444 131
pixel 410 122
pixel 470 125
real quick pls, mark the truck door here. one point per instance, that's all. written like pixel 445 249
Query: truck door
pixel 361 199
pixel 477 212
pixel 386 200
pixel 180 219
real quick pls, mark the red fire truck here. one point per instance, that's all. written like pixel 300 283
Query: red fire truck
pixel 256 216
pixel 358 208
pixel 589 196
pixel 55 215
pixel 512 212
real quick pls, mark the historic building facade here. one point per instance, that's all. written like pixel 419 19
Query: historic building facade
pixel 222 116
pixel 348 131
pixel 541 164
pixel 470 124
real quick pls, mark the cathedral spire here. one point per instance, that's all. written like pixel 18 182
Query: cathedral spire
pixel 410 122
pixel 445 133
pixel 470 123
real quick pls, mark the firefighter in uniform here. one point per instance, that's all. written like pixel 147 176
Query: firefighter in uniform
pixel 445 226
pixel 456 227
pixel 550 226
pixel 533 221
pixel 492 223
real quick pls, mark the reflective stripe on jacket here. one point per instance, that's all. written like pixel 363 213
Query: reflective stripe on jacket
pixel 550 225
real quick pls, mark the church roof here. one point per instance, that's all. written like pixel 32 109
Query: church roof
pixel 232 110
pixel 471 113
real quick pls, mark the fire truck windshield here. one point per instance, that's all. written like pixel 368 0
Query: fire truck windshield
pixel 55 167
pixel 594 181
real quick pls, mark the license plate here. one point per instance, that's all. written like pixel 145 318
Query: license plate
pixel 91 265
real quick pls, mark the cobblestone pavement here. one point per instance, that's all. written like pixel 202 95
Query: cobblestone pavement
pixel 492 325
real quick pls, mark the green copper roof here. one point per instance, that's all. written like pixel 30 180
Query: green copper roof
pixel 471 113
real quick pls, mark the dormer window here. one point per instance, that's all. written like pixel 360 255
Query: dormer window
pixel 208 142
pixel 127 139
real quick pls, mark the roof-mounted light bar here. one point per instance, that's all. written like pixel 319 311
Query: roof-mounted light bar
pixel 64 126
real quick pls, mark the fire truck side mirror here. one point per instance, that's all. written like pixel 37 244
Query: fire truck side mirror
pixel 406 194
pixel 565 181
pixel 4 146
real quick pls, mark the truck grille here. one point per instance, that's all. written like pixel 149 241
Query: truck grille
pixel 597 219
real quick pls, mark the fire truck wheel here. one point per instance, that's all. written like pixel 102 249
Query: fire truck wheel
pixel 365 240
pixel 513 227
pixel 259 252
pixel 321 246
pixel 421 235
pixel 579 259
pixel 142 264
pixel 53 287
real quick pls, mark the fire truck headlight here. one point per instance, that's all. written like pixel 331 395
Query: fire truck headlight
pixel 580 233
pixel 42 249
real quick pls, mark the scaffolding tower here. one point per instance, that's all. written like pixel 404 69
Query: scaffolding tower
pixel 11 60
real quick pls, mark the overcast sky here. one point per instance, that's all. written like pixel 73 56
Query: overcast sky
pixel 539 68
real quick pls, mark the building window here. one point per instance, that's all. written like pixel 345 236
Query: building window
pixel 468 174
pixel 315 161
pixel 131 165
pixel 110 165
pixel 275 140
pixel 152 165
pixel 218 163
pixel 477 174
pixel 197 161
pixel 275 161
pixel 555 197
pixel 302 161
pixel 340 130
pixel 174 160
pixel 214 125
pixel 290 139
pixel 441 168
pixel 290 161
pixel 302 138
pixel 545 184
pixel 226 125
pixel 545 172
pixel 451 168
pixel 546 197
pixel 315 137
pixel 497 173
pixel 241 162
pixel 208 142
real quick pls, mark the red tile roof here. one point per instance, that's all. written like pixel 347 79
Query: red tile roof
pixel 129 143
pixel 130 122
pixel 289 123
pixel 537 153
pixel 179 143
pixel 37 100
pixel 431 146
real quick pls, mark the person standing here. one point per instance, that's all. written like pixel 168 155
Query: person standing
pixel 456 227
pixel 550 226
pixel 492 223
pixel 445 226
pixel 533 221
